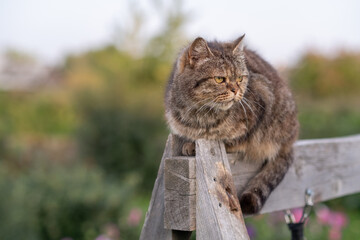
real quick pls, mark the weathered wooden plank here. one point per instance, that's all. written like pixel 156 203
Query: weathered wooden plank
pixel 330 167
pixel 218 213
pixel 180 193
pixel 242 171
pixel 153 227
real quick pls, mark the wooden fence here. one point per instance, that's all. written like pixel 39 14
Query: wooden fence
pixel 200 192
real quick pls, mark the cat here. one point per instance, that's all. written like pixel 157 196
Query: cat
pixel 224 91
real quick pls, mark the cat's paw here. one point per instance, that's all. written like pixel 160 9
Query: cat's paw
pixel 232 146
pixel 230 143
pixel 188 149
pixel 250 203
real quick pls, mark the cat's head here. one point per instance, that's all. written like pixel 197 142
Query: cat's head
pixel 212 74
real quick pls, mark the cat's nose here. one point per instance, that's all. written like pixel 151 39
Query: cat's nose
pixel 232 88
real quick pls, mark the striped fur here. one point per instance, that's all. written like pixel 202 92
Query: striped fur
pixel 255 115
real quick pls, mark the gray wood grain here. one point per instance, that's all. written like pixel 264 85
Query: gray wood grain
pixel 218 213
pixel 330 167
pixel 180 193
pixel 153 228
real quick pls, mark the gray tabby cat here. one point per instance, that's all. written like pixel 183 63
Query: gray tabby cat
pixel 224 92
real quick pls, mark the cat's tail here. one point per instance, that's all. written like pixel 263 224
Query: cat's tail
pixel 259 188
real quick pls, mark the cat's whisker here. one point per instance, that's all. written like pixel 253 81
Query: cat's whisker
pixel 211 107
pixel 254 100
pixel 192 108
pixel 247 123
pixel 204 105
pixel 247 104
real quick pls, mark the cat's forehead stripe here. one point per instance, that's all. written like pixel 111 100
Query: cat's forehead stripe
pixel 225 70
pixel 233 68
pixel 227 67
pixel 230 67
pixel 223 67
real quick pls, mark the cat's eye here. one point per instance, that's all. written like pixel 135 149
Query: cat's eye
pixel 219 79
pixel 239 79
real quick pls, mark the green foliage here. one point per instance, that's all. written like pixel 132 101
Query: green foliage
pixel 109 103
pixel 35 113
pixel 319 123
pixel 327 91
pixel 119 99
pixel 48 201
pixel 319 76
pixel 121 141
pixel 327 94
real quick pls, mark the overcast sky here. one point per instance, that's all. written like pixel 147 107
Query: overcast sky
pixel 280 30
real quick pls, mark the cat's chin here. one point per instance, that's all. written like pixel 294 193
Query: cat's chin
pixel 225 105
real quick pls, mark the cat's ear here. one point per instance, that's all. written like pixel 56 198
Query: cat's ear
pixel 198 51
pixel 238 45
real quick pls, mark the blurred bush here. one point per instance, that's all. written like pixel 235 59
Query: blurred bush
pixel 118 95
pixel 106 102
pixel 319 76
pixel 327 92
pixel 50 201
pixel 84 152
pixel 35 113
pixel 121 141
pixel 319 122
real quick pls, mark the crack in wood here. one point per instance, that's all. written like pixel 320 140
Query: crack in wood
pixel 225 189
pixel 180 176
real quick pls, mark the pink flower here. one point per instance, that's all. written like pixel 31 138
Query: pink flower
pixel 338 220
pixel 297 212
pixel 323 215
pixel 111 232
pixel 102 237
pixel 134 217
pixel 335 234
pixel 334 219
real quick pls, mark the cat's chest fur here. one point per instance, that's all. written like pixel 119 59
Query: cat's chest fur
pixel 207 123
